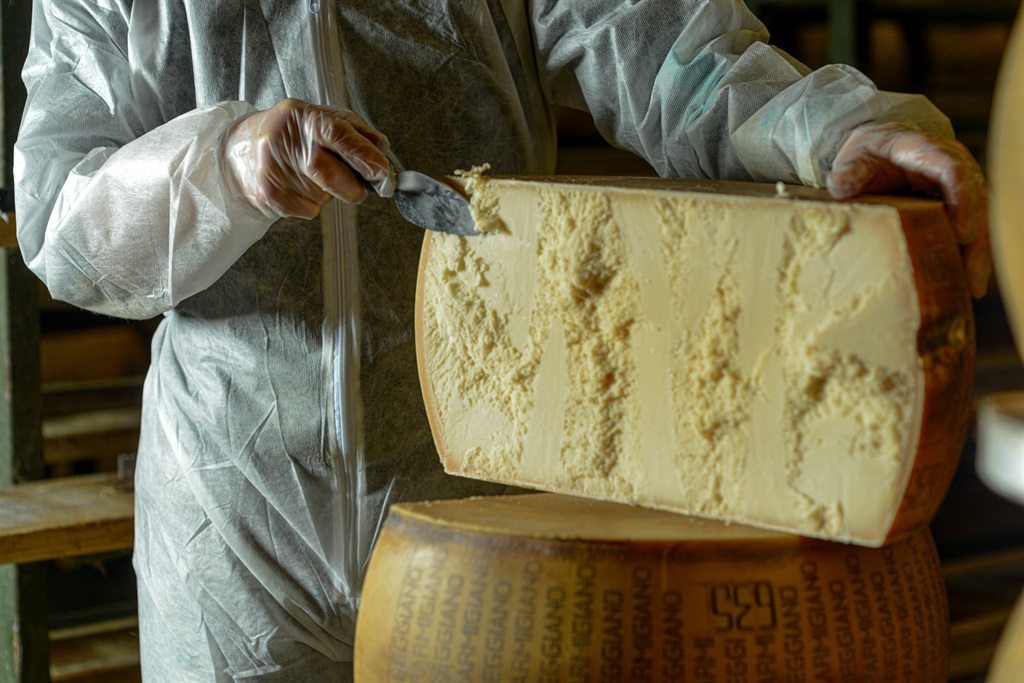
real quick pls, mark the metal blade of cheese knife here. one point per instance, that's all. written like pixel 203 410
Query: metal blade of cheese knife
pixel 425 202
pixel 433 205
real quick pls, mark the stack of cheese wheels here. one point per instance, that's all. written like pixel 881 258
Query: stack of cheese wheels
pixel 547 587
pixel 750 353
pixel 779 365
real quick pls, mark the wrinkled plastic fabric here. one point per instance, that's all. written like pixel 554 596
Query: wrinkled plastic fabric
pixel 123 209
pixel 882 157
pixel 291 159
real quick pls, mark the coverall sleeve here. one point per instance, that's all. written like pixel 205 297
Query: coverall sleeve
pixel 113 217
pixel 693 87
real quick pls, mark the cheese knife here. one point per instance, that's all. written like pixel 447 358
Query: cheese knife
pixel 426 202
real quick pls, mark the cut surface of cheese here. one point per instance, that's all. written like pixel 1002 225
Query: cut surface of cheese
pixel 786 361
pixel 547 587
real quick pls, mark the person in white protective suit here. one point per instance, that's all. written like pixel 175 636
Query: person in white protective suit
pixel 180 158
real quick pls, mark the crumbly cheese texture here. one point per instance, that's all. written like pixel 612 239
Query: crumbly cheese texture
pixel 742 358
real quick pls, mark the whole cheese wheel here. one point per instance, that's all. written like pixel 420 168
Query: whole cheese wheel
pixel 1001 418
pixel 736 351
pixel 546 587
pixel 1006 173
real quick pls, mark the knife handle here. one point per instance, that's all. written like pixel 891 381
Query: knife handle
pixel 386 187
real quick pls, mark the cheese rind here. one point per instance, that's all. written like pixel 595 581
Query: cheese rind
pixel 561 588
pixel 727 353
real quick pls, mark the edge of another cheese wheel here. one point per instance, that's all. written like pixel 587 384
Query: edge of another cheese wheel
pixel 552 587
pixel 945 340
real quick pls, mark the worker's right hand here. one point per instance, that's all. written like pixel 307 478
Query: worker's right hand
pixel 293 158
pixel 885 157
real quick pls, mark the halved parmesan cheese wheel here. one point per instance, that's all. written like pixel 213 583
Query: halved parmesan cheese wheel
pixel 730 350
pixel 546 587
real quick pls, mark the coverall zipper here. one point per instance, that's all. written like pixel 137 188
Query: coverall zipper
pixel 342 327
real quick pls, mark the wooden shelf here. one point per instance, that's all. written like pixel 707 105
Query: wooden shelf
pixel 982 589
pixel 97 436
pixel 107 652
pixel 64 517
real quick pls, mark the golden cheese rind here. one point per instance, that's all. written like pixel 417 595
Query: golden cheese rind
pixel 527 588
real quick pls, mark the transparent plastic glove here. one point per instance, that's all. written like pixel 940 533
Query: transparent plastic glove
pixel 293 158
pixel 882 157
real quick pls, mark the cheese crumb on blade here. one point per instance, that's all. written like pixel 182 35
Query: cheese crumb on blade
pixel 799 364
pixel 546 587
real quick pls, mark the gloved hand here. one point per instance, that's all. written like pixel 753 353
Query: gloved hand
pixel 881 157
pixel 292 158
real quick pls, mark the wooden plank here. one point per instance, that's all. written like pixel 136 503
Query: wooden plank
pixel 101 449
pixel 92 422
pixel 109 351
pixel 93 435
pixel 1000 563
pixel 65 398
pixel 982 589
pixel 65 517
pixel 95 629
pixel 107 649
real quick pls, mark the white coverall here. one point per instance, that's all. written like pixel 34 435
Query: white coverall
pixel 282 413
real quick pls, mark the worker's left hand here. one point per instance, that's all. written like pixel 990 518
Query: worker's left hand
pixel 882 157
